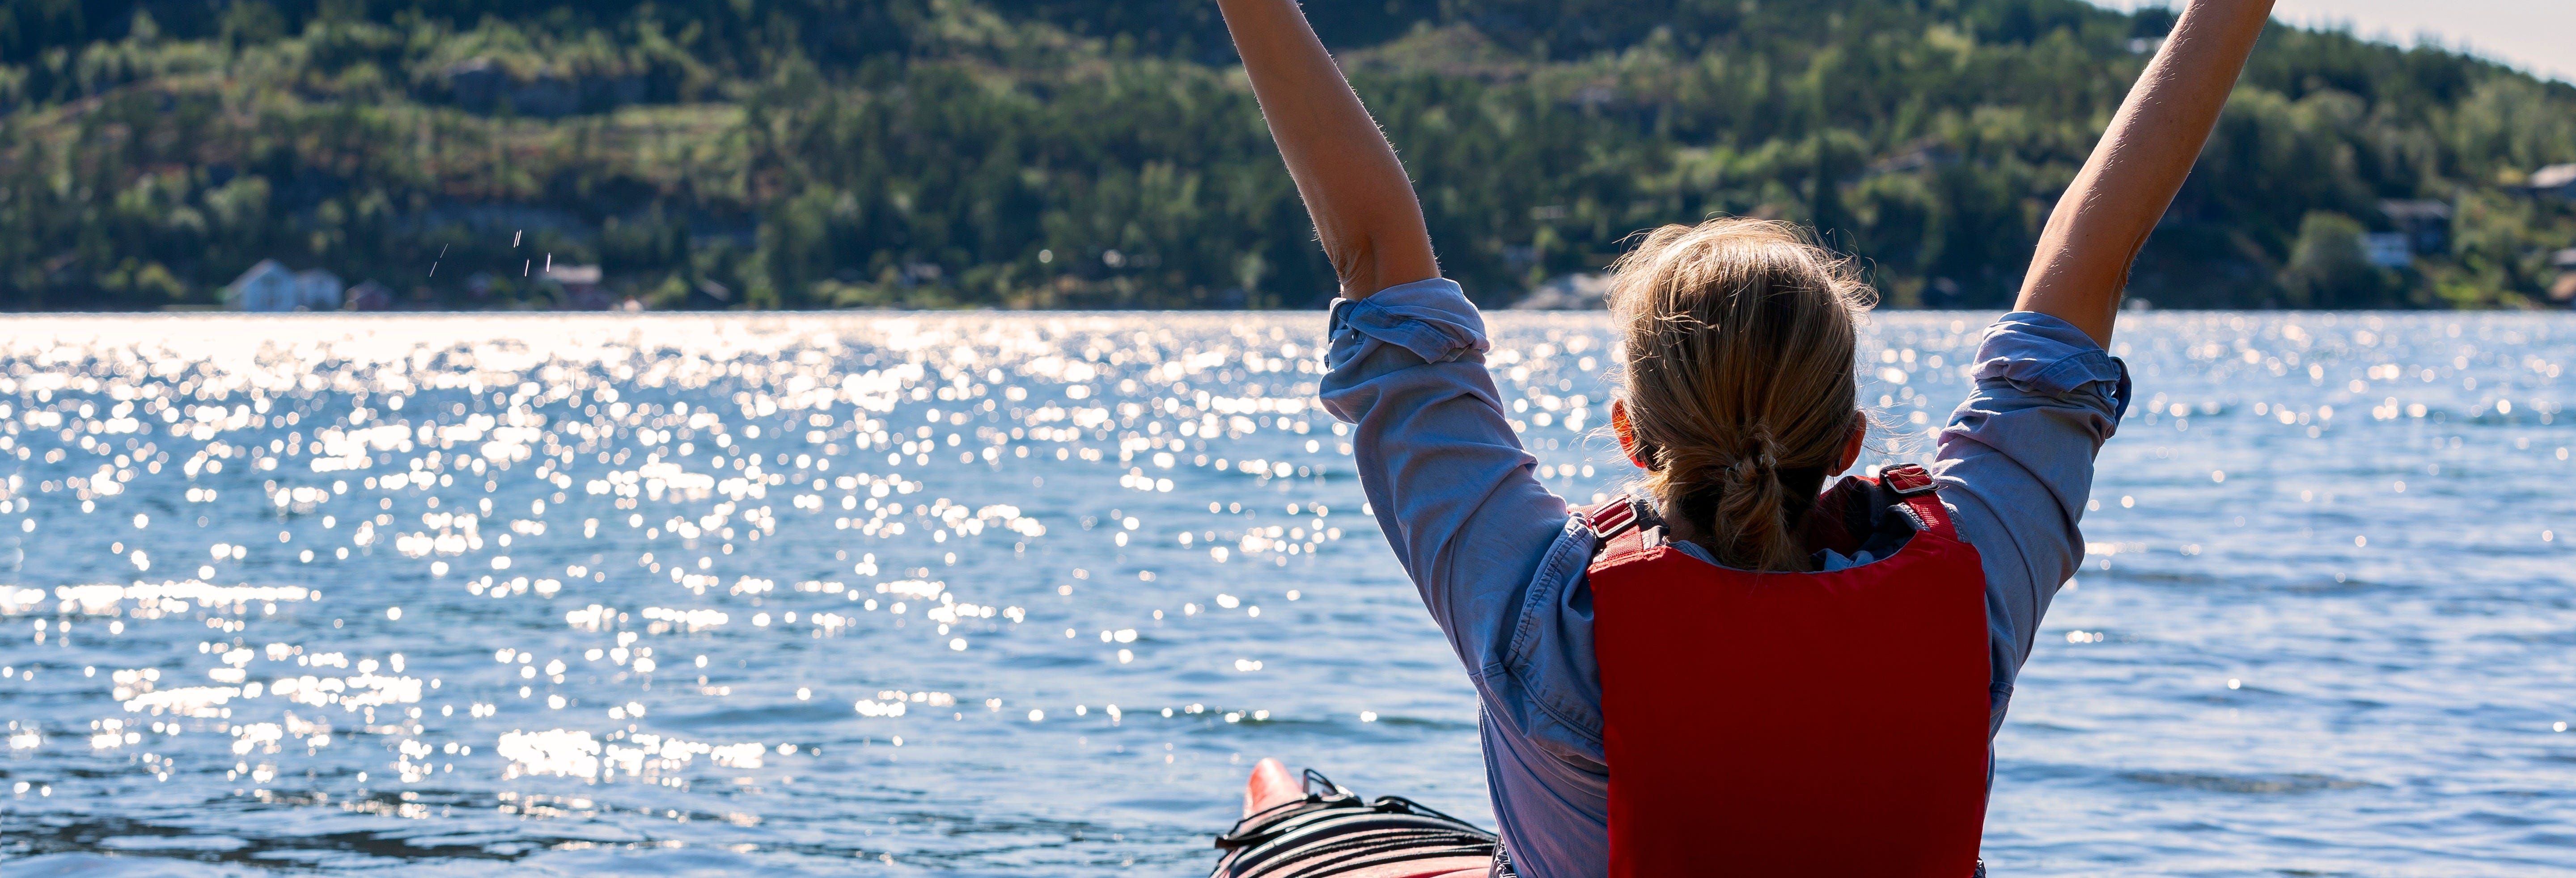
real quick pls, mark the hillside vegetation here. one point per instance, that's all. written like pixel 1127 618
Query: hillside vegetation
pixel 1090 153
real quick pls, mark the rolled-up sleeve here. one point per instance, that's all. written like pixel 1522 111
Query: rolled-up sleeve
pixel 2016 461
pixel 1443 471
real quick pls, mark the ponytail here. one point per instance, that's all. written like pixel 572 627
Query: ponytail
pixel 1739 337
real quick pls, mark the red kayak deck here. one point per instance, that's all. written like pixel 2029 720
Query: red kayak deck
pixel 1271 785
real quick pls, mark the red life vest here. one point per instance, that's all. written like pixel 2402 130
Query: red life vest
pixel 1766 724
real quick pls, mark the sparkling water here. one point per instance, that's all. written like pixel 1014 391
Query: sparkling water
pixel 1027 594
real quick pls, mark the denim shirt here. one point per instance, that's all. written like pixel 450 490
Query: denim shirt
pixel 1500 560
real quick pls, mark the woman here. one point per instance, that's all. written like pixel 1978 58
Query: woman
pixel 1730 672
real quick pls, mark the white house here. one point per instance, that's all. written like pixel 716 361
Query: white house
pixel 317 290
pixel 2558 180
pixel 581 288
pixel 268 286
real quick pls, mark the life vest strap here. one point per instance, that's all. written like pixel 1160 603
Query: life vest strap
pixel 1914 483
pixel 1622 528
pixel 1608 520
pixel 1627 526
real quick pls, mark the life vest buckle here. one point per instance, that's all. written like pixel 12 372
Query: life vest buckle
pixel 1907 479
pixel 1617 517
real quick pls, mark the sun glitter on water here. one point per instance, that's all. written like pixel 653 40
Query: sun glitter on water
pixel 1029 591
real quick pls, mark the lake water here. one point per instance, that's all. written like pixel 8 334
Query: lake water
pixel 1027 594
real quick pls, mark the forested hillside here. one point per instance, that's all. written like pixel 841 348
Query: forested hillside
pixel 1106 153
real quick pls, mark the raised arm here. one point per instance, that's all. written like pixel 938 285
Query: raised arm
pixel 2105 216
pixel 1355 190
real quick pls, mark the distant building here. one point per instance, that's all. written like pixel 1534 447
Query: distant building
pixel 2388 249
pixel 2557 180
pixel 269 287
pixel 317 290
pixel 581 288
pixel 1573 292
pixel 2425 223
pixel 369 296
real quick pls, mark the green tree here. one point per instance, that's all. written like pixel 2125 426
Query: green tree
pixel 2329 266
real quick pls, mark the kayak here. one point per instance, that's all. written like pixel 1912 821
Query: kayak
pixel 1310 827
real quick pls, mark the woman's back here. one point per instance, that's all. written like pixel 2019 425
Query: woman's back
pixel 1500 561
pixel 1738 401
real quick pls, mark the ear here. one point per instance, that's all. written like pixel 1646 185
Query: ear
pixel 1627 431
pixel 1852 444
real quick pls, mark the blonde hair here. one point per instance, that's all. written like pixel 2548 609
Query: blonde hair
pixel 1739 337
